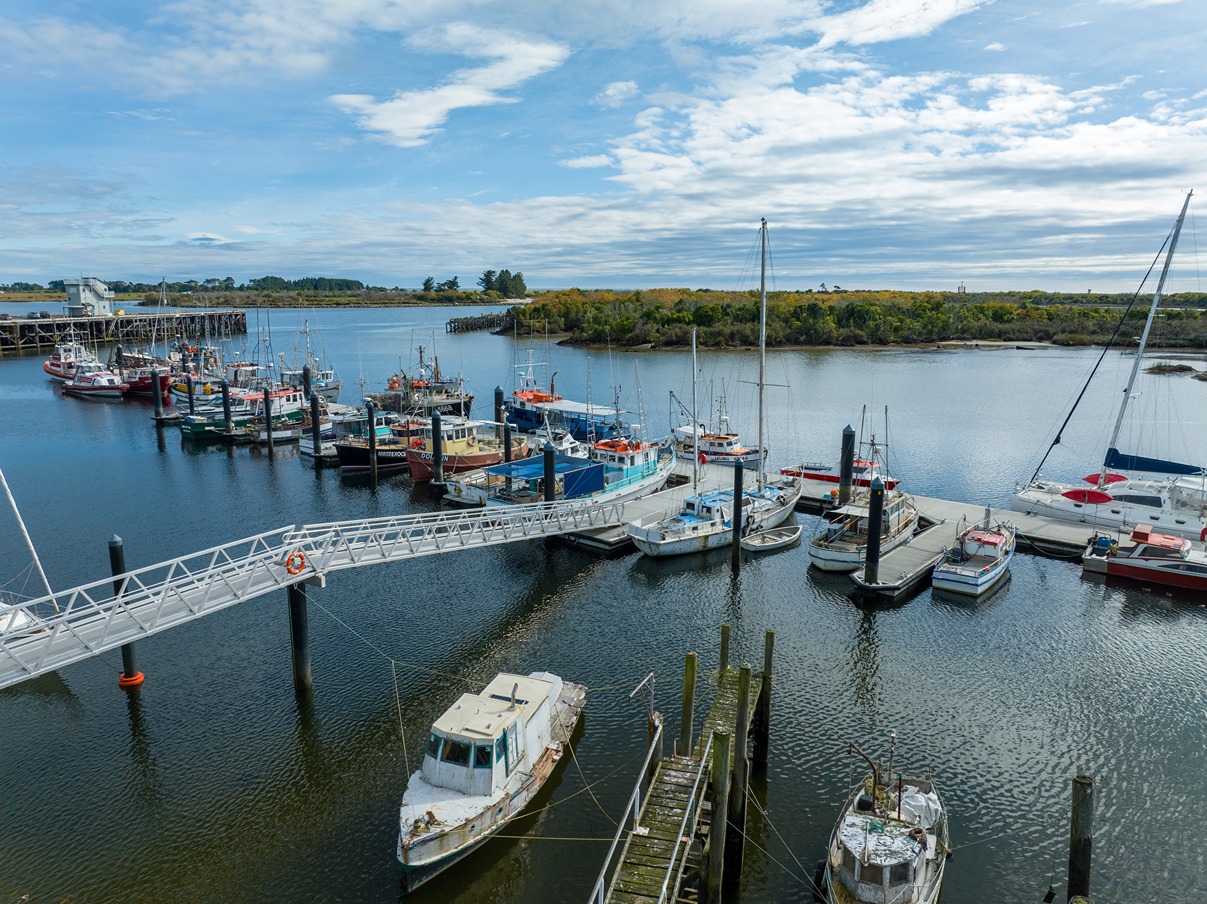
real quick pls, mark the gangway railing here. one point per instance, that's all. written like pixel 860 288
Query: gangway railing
pixel 48 633
pixel 644 779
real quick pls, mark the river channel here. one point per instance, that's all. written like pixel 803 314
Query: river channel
pixel 215 785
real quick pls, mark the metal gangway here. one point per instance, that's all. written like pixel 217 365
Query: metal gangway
pixel 48 633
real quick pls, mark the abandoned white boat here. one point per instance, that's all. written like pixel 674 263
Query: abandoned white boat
pixel 486 758
pixel 891 841
pixel 771 538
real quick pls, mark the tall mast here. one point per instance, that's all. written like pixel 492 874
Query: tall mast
pixel 1152 313
pixel 762 340
pixel 695 421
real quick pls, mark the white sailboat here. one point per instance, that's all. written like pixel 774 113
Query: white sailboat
pixel 706 520
pixel 1174 503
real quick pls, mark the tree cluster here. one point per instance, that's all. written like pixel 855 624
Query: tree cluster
pixel 503 283
pixel 666 317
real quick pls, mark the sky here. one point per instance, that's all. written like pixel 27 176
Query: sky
pixel 912 144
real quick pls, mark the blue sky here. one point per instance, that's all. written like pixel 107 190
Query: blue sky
pixel 615 143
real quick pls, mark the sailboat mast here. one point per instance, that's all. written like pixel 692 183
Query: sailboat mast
pixel 762 341
pixel 1152 313
pixel 695 420
pixel 29 543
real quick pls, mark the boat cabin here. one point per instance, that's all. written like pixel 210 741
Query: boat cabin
pixel 483 738
pixel 1158 546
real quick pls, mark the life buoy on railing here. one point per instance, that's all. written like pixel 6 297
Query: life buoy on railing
pixel 416 443
pixel 473 440
pixel 703 459
pixel 296 562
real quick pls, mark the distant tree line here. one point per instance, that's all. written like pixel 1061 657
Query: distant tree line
pixel 665 317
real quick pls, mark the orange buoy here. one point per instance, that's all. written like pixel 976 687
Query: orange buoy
pixel 126 682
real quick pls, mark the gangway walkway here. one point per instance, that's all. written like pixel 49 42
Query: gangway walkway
pixel 46 634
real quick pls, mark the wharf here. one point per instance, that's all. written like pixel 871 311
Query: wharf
pixel 665 503
pixel 24 336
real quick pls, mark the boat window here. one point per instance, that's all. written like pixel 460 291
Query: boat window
pixel 433 745
pixel 456 752
pixel 872 873
pixel 899 874
pixel 848 861
pixel 482 756
pixel 1133 499
pixel 501 752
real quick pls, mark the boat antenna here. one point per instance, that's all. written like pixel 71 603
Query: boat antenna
pixel 1152 312
pixel 1109 343
pixel 25 533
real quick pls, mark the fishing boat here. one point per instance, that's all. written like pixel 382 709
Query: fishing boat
pixel 475 487
pixel 1152 558
pixel 92 381
pixel 66 358
pixel 532 405
pixel 891 841
pixel 352 424
pixel 718 446
pixel 240 376
pixel 417 395
pixel 143 371
pixel 841 543
pixel 324 381
pixel 978 560
pixel 464 446
pixel 863 472
pixel 706 520
pixel 1174 501
pixel 486 758
pixel 289 410
pixel 614 470
pixel 772 538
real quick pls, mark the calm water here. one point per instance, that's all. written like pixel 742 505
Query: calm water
pixel 214 785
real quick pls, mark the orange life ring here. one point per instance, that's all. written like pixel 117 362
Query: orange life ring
pixel 473 440
pixel 416 443
pixel 296 562
pixel 703 459
pixel 1203 535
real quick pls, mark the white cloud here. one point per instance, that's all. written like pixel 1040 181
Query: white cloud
pixel 996 47
pixel 588 162
pixel 616 93
pixel 410 118
pixel 891 20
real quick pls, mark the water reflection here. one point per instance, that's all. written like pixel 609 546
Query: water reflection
pixel 863 664
pixel 145 783
pixel 963 604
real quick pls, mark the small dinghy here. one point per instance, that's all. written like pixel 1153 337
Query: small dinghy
pixel 771 538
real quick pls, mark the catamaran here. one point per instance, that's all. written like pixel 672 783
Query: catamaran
pixel 1175 502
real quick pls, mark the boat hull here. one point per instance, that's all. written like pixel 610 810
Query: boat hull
pixel 848 557
pixel 968 583
pixel 1192 578
pixel 421 465
pixel 354 456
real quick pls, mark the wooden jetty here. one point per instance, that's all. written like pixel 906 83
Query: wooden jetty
pixel 675 843
pixel 23 336
pixel 475 323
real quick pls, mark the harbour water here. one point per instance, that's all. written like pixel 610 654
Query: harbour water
pixel 215 785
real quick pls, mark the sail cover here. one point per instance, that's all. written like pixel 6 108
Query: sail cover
pixel 1117 459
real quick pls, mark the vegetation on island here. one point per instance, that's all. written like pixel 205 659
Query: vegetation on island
pixel 836 317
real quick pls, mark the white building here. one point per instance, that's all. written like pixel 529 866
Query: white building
pixel 88 297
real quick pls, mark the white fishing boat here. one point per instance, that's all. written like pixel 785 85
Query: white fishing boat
pixel 92 381
pixel 706 519
pixel 712 445
pixel 1174 501
pixel 1151 558
pixel 891 841
pixel 66 358
pixel 978 560
pixel 771 538
pixel 486 758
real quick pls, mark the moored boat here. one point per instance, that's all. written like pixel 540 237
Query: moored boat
pixel 891 841
pixel 486 758
pixel 978 560
pixel 92 381
pixel 531 407
pixel 464 446
pixel 841 542
pixel 289 411
pixel 417 395
pixel 66 358
pixel 1152 558
pixel 771 538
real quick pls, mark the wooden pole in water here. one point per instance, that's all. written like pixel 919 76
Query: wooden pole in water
pixel 846 466
pixel 437 450
pixel 689 703
pixel 550 481
pixel 268 419
pixel 316 429
pixel 299 635
pixel 1081 836
pixel 737 518
pixel 228 423
pixel 188 382
pixel 156 394
pixel 724 646
pixel 507 442
pixel 871 565
pixel 762 709
pixel 130 676
pixel 720 809
pixel 741 770
pixel 499 415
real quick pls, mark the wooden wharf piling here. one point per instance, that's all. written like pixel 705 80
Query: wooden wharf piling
pixel 26 336
pixel 475 323
pixel 666 852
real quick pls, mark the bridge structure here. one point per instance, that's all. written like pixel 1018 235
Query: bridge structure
pixel 46 634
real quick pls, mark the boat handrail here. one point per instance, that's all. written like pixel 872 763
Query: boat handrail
pixel 634 805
